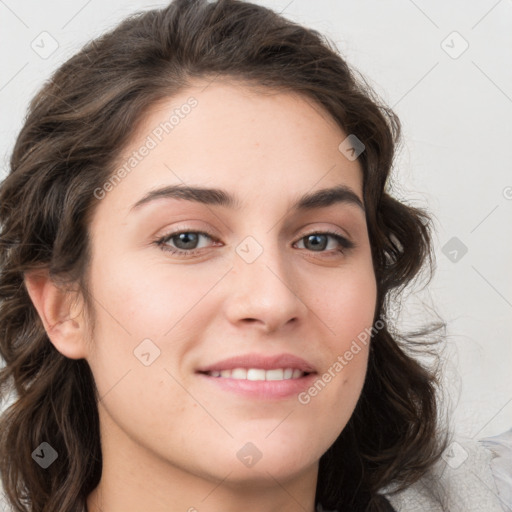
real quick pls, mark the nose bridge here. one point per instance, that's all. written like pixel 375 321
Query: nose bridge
pixel 262 287
pixel 261 259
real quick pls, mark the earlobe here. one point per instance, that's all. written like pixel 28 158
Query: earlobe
pixel 60 313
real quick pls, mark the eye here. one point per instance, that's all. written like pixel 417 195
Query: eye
pixel 319 242
pixel 188 243
pixel 185 242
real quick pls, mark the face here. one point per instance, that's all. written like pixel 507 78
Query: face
pixel 227 322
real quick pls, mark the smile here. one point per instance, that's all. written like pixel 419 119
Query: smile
pixel 254 374
pixel 260 376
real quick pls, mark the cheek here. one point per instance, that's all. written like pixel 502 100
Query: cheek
pixel 346 308
pixel 139 308
pixel 346 304
pixel 148 300
pixel 140 301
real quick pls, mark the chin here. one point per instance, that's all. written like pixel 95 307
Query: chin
pixel 278 467
pixel 256 461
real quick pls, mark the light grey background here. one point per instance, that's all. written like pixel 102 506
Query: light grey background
pixel 455 104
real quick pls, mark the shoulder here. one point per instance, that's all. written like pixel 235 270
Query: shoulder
pixel 472 475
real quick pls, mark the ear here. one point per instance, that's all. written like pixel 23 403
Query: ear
pixel 60 312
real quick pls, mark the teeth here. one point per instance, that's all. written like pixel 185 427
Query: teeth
pixel 239 373
pixel 259 374
pixel 253 374
pixel 296 374
pixel 277 374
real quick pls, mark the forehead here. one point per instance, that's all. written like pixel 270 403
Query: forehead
pixel 259 143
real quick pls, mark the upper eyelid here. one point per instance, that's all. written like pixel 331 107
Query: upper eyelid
pixel 343 232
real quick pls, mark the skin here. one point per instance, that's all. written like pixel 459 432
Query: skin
pixel 169 438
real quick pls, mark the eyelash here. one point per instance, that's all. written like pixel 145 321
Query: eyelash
pixel 345 244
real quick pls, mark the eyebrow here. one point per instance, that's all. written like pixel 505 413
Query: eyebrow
pixel 214 196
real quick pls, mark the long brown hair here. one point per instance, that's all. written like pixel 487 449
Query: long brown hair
pixel 76 127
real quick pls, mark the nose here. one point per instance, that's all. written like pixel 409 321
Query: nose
pixel 263 292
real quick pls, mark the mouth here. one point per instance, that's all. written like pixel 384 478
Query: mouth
pixel 260 377
pixel 258 374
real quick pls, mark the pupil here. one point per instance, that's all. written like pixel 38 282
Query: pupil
pixel 321 245
pixel 187 240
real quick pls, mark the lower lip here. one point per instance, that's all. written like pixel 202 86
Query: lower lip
pixel 262 389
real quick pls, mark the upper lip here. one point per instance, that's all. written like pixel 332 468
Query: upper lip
pixel 265 362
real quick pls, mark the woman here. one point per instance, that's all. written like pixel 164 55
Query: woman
pixel 198 254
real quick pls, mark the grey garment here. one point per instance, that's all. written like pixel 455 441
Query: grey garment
pixel 472 476
pixel 501 465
